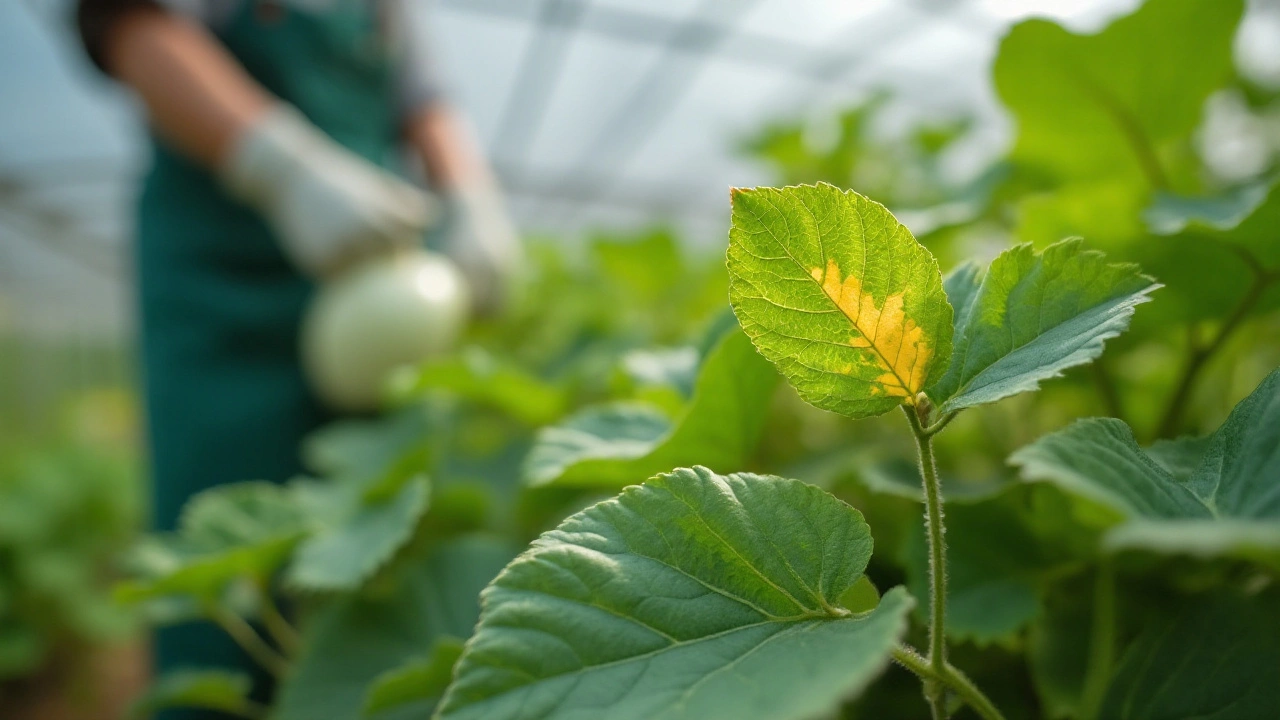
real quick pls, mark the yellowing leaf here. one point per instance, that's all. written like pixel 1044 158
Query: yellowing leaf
pixel 897 340
pixel 837 293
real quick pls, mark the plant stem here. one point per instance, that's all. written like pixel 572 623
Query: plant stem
pixel 249 640
pixel 1198 355
pixel 281 631
pixel 935 530
pixel 952 678
pixel 1101 641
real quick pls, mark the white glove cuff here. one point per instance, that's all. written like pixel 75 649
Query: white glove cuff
pixel 266 155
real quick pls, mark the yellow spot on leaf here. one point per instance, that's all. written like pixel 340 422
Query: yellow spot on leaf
pixel 899 344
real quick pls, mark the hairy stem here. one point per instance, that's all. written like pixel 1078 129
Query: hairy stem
pixel 1198 355
pixel 1101 641
pixel 249 640
pixel 951 678
pixel 935 530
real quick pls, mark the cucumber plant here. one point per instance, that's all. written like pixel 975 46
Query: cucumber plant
pixel 705 595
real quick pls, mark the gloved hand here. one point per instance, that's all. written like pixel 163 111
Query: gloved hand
pixel 481 239
pixel 327 205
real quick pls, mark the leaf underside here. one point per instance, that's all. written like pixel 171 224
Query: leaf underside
pixel 1229 504
pixel 694 595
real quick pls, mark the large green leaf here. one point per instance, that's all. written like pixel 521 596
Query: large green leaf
pixel 1230 504
pixel 694 595
pixel 363 536
pixel 1112 105
pixel 1032 316
pixel 359 637
pixel 616 445
pixel 1215 658
pixel 837 293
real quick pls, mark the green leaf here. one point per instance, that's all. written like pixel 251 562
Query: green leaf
pixel 1057 648
pixel 220 690
pixel 1113 104
pixel 694 595
pixel 1227 506
pixel 1171 214
pixel 482 378
pixel 1218 657
pixel 344 554
pixel 837 293
pixel 1033 316
pixel 379 453
pixel 353 641
pixel 676 368
pixel 419 683
pixel 617 445
pixel 597 436
pixel 242 530
pixel 1247 219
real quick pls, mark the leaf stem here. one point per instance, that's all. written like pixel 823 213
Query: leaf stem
pixel 952 678
pixel 285 635
pixel 942 423
pixel 1101 641
pixel 1198 355
pixel 249 640
pixel 935 530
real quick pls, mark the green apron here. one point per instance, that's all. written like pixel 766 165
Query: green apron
pixel 220 305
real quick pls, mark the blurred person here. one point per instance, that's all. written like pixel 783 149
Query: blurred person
pixel 275 125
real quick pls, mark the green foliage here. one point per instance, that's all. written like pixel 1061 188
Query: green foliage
pixel 66 507
pixel 357 538
pixel 479 377
pixel 352 642
pixel 1226 505
pixel 204 689
pixel 1117 104
pixel 246 530
pixel 616 445
pixel 712 605
pixel 417 685
pixel 1227 662
pixel 837 293
pixel 1031 316
pixel 1135 577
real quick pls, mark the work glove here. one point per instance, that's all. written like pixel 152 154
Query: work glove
pixel 328 206
pixel 480 237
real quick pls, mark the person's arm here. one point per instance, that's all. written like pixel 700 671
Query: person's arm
pixel 449 153
pixel 197 96
pixel 328 206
